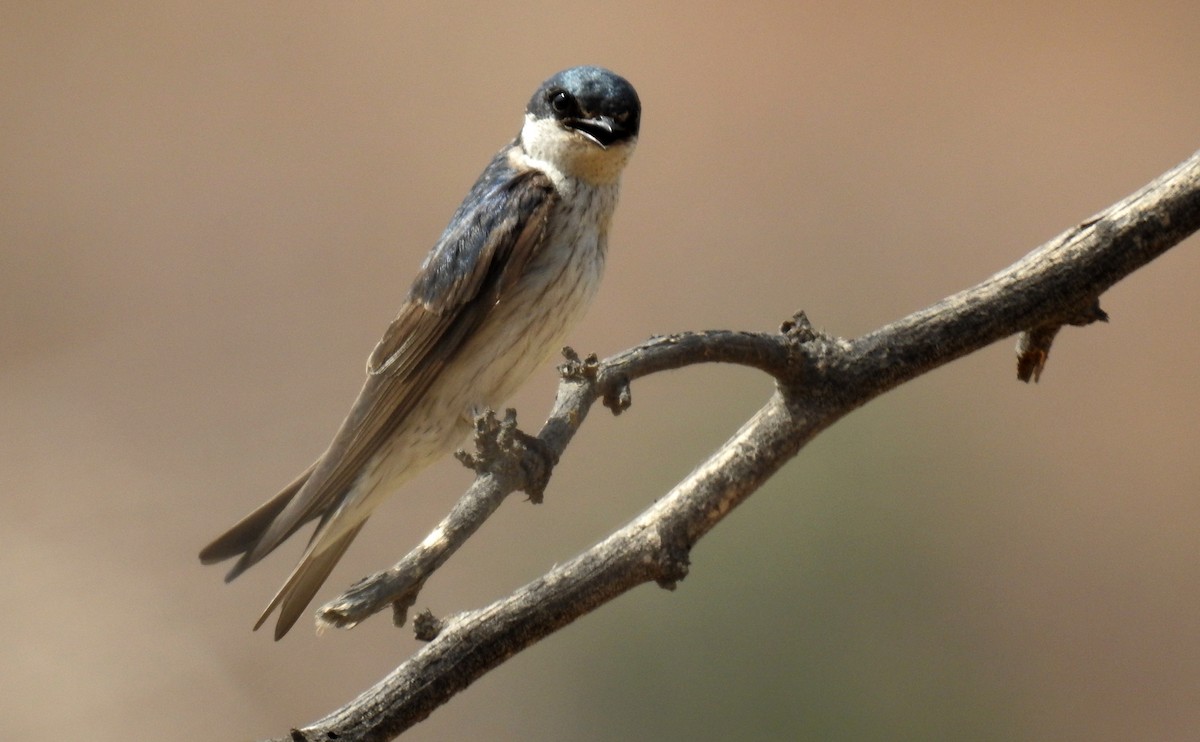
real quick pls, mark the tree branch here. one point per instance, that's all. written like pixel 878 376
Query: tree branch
pixel 506 463
pixel 819 380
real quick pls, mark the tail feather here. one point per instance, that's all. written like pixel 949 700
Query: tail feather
pixel 245 535
pixel 305 580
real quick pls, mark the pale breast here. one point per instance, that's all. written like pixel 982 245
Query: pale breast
pixel 531 320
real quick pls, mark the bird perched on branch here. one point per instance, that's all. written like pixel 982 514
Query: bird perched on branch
pixel 514 270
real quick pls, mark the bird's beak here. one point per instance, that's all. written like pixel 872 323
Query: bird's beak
pixel 603 130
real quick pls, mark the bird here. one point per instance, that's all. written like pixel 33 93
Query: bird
pixel 513 271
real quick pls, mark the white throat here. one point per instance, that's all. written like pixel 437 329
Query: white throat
pixel 566 154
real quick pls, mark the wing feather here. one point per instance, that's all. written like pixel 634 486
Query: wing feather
pixel 492 236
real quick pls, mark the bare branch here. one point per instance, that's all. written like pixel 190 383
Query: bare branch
pixel 820 379
pixel 504 470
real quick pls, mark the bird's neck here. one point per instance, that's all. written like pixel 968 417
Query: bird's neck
pixel 567 155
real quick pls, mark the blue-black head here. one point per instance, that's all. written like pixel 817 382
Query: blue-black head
pixel 598 103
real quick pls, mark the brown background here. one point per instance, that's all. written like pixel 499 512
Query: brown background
pixel 210 211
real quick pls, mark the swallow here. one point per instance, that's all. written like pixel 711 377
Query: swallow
pixel 514 270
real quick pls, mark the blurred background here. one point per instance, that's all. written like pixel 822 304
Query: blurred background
pixel 210 212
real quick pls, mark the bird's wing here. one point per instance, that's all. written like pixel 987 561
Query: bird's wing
pixel 491 238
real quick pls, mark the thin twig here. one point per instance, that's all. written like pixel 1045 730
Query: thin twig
pixel 500 470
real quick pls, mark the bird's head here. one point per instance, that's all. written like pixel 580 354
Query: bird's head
pixel 584 122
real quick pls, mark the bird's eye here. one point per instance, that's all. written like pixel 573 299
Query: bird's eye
pixel 562 102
